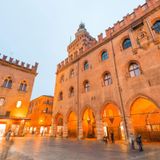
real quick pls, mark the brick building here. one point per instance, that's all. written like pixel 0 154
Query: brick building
pixel 40 115
pixel 16 83
pixel 112 84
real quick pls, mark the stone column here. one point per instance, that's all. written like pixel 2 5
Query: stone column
pixel 52 127
pixel 99 126
pixel 65 130
pixel 80 134
pixel 129 125
pixel 21 127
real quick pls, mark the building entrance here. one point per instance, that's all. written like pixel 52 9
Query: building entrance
pixel 89 124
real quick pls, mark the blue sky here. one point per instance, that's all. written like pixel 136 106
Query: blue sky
pixel 40 30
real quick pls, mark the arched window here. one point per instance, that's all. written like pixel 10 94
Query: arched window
pixel 86 86
pixel 62 79
pixel 104 56
pixel 71 92
pixel 71 73
pixel 86 65
pixel 126 43
pixel 61 96
pixel 23 86
pixel 7 83
pixel 107 79
pixel 156 26
pixel 134 70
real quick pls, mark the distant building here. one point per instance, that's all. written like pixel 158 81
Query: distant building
pixel 16 83
pixel 40 115
pixel 112 84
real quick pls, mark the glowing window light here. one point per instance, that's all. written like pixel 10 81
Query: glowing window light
pixel 2 100
pixel 19 104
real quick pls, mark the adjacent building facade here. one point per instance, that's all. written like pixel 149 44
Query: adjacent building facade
pixel 40 115
pixel 112 84
pixel 16 83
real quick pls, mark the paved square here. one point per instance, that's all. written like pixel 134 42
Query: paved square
pixel 30 148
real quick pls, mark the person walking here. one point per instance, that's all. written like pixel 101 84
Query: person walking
pixel 8 135
pixel 131 140
pixel 139 142
pixel 112 137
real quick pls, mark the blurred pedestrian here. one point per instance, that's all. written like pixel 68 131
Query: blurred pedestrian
pixel 8 135
pixel 112 137
pixel 139 142
pixel 131 140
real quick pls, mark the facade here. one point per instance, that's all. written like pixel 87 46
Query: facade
pixel 112 84
pixel 16 83
pixel 40 115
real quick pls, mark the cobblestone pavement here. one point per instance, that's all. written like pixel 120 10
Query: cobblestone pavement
pixel 30 148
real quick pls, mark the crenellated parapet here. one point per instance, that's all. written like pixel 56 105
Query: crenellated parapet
pixel 17 63
pixel 127 20
pixel 117 28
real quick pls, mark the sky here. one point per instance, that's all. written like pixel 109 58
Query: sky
pixel 40 30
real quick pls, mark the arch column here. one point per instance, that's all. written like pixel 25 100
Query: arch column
pixel 129 125
pixel 65 130
pixel 80 130
pixel 99 125
pixel 54 129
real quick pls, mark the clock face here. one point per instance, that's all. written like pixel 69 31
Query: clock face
pixel 2 100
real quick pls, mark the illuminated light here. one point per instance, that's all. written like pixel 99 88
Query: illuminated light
pixel 2 100
pixel 19 104
pixel 2 129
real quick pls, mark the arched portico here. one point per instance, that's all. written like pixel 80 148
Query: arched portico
pixel 112 121
pixel 89 123
pixel 145 117
pixel 72 125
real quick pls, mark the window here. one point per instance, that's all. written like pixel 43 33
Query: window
pixel 156 26
pixel 126 43
pixel 23 86
pixel 86 86
pixel 104 56
pixel 71 92
pixel 86 65
pixel 7 83
pixel 72 73
pixel 62 79
pixel 45 110
pixel 2 100
pixel 61 96
pixel 134 70
pixel 107 79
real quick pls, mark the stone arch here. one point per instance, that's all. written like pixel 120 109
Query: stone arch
pixel 108 102
pixel 112 120
pixel 84 109
pixel 145 118
pixel 88 122
pixel 59 122
pixel 134 97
